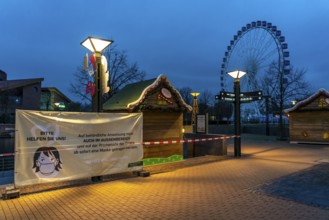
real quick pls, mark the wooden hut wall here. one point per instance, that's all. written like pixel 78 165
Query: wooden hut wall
pixel 309 126
pixel 162 126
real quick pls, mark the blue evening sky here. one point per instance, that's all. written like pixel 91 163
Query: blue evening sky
pixel 183 39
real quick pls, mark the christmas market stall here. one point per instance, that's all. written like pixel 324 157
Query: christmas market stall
pixel 162 107
pixel 309 119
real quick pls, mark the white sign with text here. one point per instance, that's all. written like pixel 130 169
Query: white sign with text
pixel 61 146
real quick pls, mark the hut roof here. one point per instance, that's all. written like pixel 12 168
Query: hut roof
pixel 305 102
pixel 133 95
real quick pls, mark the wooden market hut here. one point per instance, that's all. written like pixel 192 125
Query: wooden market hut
pixel 309 119
pixel 162 107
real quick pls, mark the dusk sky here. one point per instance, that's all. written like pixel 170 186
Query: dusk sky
pixel 183 39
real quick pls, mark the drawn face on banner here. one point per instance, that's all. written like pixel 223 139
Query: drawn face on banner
pixel 47 162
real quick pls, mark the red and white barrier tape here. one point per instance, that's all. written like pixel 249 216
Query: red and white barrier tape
pixel 7 155
pixel 164 142
pixel 185 141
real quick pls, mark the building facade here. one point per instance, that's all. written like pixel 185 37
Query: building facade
pixel 309 119
pixel 53 100
pixel 28 94
pixel 18 94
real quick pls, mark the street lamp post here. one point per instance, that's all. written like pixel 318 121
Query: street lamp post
pixel 97 46
pixel 237 74
pixel 195 110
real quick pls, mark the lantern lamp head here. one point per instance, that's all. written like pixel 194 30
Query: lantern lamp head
pixel 195 94
pixel 237 74
pixel 96 44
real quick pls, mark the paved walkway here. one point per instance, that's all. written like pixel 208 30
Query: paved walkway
pixel 222 189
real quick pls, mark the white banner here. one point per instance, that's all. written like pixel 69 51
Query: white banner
pixel 61 146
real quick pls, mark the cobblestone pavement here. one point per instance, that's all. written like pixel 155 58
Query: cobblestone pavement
pixel 216 189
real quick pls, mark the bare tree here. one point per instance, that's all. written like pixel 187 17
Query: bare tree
pixel 121 74
pixel 283 89
pixel 223 110
pixel 294 86
pixel 121 71
pixel 185 92
pixel 206 101
pixel 78 87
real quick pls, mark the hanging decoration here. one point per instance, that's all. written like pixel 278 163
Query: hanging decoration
pixel 90 88
pixel 91 72
pixel 105 76
pixel 93 62
pixel 91 69
pixel 104 64
pixel 85 62
pixel 105 79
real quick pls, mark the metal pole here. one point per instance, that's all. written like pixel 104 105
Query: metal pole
pixel 237 139
pixel 97 98
pixel 281 106
pixel 267 115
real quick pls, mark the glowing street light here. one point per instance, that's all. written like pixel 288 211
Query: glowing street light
pixel 237 74
pixel 97 46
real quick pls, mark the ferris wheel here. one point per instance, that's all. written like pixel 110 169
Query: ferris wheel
pixel 254 48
